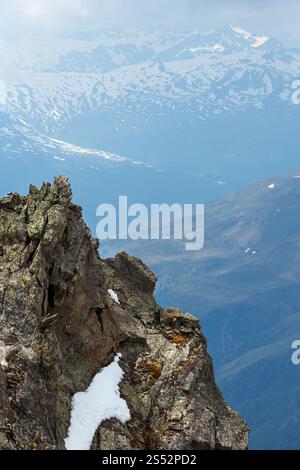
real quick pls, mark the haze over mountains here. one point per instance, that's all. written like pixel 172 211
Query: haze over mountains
pixel 181 117
pixel 164 98
pixel 98 176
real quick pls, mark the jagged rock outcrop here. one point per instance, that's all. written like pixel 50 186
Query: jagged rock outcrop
pixel 59 326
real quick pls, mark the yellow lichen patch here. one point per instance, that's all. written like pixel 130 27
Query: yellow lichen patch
pixel 154 369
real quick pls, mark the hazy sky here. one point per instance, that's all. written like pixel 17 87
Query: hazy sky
pixel 273 17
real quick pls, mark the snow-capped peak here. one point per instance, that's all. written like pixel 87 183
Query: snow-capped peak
pixel 241 32
pixel 259 41
pixel 256 41
pixel 214 48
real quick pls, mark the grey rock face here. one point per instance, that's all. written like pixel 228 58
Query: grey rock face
pixel 59 326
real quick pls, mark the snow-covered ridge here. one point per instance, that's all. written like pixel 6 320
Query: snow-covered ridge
pixel 260 41
pixel 109 49
pixel 17 138
pixel 220 71
pixel 256 41
pixel 241 31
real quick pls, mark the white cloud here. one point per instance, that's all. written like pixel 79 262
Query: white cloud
pixel 36 9
pixel 41 15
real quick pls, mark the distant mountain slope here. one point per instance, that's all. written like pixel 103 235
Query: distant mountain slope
pixel 19 139
pixel 26 156
pixel 246 283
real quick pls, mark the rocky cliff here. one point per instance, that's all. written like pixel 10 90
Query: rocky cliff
pixel 59 326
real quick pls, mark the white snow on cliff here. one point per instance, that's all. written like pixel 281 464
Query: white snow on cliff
pixel 113 295
pixel 100 402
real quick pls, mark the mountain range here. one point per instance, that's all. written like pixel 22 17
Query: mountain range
pixel 190 118
pixel 162 98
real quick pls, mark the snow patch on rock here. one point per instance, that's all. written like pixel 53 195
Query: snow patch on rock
pixel 3 362
pixel 114 296
pixel 100 402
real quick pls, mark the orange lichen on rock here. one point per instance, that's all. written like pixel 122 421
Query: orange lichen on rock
pixel 176 339
pixel 155 369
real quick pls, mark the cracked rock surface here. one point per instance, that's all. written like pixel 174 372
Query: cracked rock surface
pixel 59 327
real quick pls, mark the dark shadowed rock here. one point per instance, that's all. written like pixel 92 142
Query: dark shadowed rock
pixel 59 326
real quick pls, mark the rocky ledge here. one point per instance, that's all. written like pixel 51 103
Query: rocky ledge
pixel 60 324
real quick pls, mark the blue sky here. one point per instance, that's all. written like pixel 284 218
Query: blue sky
pixel 271 17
